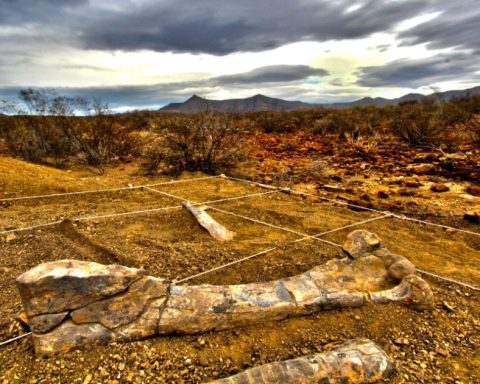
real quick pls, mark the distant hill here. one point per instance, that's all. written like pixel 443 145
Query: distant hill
pixel 264 103
pixel 250 104
pixel 381 102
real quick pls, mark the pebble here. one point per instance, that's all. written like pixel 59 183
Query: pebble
pixel 382 195
pixel 473 190
pixel 439 188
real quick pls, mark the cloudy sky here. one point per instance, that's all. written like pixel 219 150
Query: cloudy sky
pixel 146 53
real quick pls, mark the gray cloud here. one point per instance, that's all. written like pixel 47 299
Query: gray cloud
pixel 457 26
pixel 210 26
pixel 14 12
pixel 30 29
pixel 159 94
pixel 414 73
pixel 271 74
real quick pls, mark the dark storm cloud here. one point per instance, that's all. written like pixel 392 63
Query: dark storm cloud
pixel 157 94
pixel 222 27
pixel 210 26
pixel 412 73
pixel 13 12
pixel 457 26
pixel 271 74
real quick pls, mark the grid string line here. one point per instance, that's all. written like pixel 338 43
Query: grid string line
pixel 401 217
pixel 14 339
pixel 129 188
pixel 285 229
pixel 449 279
pixel 265 251
pixel 316 237
pixel 128 213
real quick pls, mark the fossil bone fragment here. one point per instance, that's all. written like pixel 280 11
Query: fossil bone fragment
pixel 72 303
pixel 356 361
pixel 216 230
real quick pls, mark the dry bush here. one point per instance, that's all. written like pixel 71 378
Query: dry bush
pixel 430 124
pixel 322 126
pixel 418 124
pixel 207 142
pixel 361 146
pixel 473 129
pixel 49 130
pixel 100 139
pixel 32 133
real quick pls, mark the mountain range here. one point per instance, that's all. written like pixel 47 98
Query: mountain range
pixel 264 103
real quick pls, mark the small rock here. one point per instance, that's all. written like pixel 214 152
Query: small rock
pixel 473 190
pixel 423 169
pixel 382 195
pixel 88 379
pixel 10 237
pixel 405 192
pixel 366 197
pixel 401 341
pixel 472 217
pixel 439 187
pixel 203 361
pixel 413 184
pixel 443 352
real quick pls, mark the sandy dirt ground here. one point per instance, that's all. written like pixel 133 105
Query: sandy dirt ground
pixel 439 346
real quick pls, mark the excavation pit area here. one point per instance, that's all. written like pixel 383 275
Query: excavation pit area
pixel 146 226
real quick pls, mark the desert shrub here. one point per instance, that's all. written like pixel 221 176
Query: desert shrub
pixel 279 122
pixel 442 124
pixel 31 133
pixel 418 124
pixel 361 146
pixel 207 142
pixel 35 139
pixel 355 121
pixel 100 139
pixel 323 126
pixel 49 129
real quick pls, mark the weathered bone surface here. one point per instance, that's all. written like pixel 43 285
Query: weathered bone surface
pixel 356 361
pixel 72 303
pixel 216 230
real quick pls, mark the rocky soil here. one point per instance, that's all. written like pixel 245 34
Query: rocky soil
pixel 438 346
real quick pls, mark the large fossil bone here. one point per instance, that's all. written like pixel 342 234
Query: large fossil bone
pixel 356 361
pixel 72 303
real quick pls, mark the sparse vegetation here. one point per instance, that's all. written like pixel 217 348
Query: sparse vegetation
pixel 49 130
pixel 207 142
pixel 55 129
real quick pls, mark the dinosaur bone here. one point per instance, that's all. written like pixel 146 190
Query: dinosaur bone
pixel 356 361
pixel 216 230
pixel 71 303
